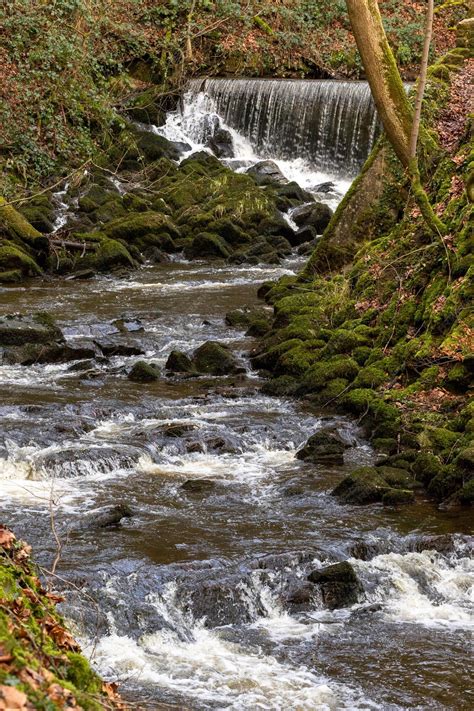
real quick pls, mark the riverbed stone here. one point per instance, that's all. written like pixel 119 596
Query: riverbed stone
pixel 198 486
pixel 266 172
pixel 339 585
pixel 292 192
pixel 179 362
pixel 214 358
pixel 316 214
pixel 143 372
pixel 323 448
pixel 18 330
pixel 221 143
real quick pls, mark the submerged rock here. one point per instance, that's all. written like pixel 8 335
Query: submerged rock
pixel 143 372
pixel 198 486
pixel 339 585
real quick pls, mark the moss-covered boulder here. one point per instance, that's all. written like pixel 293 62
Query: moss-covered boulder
pixel 143 372
pixel 324 447
pixel 367 485
pixel 214 359
pixel 207 245
pixel 103 254
pixel 145 229
pixel 363 486
pixel 23 249
pixel 256 322
pixel 179 362
pixel 14 258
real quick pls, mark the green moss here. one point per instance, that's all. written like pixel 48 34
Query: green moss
pixel 80 674
pixel 466 494
pixel 206 244
pixel 11 276
pixel 362 486
pixel 141 225
pixel 446 483
pixel 16 226
pixel 439 438
pixel 34 646
pixel 297 360
pixel 318 376
pixel 332 391
pixel 282 385
pixel 387 445
pixel 397 497
pixel 370 377
pixel 13 258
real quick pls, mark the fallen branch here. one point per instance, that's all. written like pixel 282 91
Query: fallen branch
pixel 71 244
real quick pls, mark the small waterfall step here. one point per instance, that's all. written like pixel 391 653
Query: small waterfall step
pixel 331 124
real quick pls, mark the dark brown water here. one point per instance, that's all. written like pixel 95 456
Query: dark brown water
pixel 187 602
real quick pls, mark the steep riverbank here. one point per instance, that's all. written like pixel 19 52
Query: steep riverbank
pixel 40 663
pixel 380 321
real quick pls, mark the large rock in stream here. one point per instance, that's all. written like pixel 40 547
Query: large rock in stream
pixel 339 585
pixel 266 172
pixel 324 447
pixel 315 214
pixel 212 358
pixel 34 339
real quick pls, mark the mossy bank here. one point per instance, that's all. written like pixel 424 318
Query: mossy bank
pixel 380 322
pixel 41 665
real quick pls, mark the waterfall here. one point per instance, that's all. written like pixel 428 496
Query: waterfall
pixel 329 124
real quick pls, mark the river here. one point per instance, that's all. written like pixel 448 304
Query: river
pixel 197 600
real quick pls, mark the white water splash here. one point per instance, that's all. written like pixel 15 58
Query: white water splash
pixel 422 588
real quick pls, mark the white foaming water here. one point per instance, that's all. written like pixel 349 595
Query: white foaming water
pixel 212 670
pixel 198 112
pixel 201 665
pixel 422 588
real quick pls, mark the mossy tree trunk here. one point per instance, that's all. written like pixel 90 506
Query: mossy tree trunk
pixel 189 46
pixel 401 126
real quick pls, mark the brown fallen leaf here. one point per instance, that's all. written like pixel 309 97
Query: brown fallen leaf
pixel 7 538
pixel 55 597
pixel 12 699
pixel 61 636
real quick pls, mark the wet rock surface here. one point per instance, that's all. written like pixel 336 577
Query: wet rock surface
pixel 339 585
pixel 323 447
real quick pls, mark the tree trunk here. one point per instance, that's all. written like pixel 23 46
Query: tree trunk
pixel 382 73
pixel 401 126
pixel 189 45
pixel 422 79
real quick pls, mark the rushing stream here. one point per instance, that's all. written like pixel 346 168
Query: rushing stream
pixel 199 598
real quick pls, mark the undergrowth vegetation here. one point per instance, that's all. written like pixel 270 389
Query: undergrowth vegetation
pixel 69 66
pixel 380 323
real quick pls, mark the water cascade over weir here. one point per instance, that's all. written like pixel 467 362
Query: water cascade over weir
pixel 330 124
